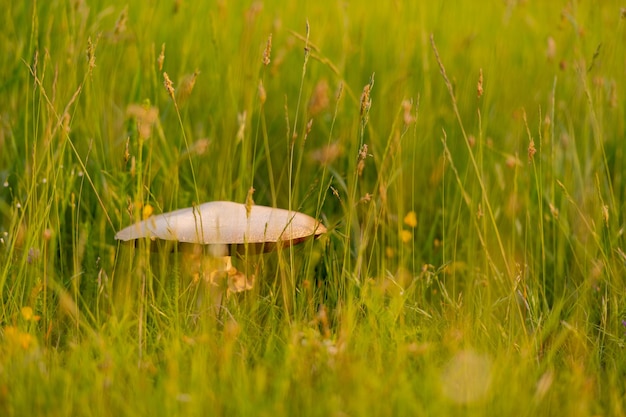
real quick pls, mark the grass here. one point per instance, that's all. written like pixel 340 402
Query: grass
pixel 467 161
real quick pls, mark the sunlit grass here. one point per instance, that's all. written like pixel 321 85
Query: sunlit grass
pixel 467 161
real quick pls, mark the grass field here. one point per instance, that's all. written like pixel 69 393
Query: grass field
pixel 467 160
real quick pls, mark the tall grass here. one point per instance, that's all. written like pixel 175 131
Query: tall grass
pixel 467 161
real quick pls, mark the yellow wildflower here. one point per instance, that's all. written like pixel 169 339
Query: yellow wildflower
pixel 410 219
pixel 406 236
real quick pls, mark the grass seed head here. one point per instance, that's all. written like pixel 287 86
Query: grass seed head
pixel 35 63
pixel 253 11
pixel 339 92
pixel 309 126
pixel 382 192
pixel 120 24
pixel 531 150
pixel 249 201
pixel 360 167
pixel 366 101
pixel 200 146
pixel 241 121
pixel 91 54
pixel 327 154
pixel 145 116
pixel 169 85
pixel 65 124
pixel 362 156
pixel 268 51
pixel 335 192
pixel 366 198
pixel 363 152
pixel 408 118
pixel 554 210
pixel 161 58
pixel 127 150
pixel 186 86
pixel 320 99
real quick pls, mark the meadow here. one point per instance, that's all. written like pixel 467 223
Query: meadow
pixel 467 160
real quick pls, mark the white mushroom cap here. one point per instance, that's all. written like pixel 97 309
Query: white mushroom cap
pixel 226 223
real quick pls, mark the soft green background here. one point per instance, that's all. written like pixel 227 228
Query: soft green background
pixel 505 294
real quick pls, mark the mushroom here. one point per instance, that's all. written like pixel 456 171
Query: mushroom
pixel 220 226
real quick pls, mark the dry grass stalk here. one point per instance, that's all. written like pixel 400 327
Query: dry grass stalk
pixel 366 198
pixel 161 58
pixel 320 99
pixel 262 93
pixel 145 116
pixel 249 201
pixel 241 121
pixel 408 117
pixel 335 192
pixel 309 126
pixel 186 86
pixel 327 154
pixel 268 51
pixel 366 101
pixel 91 53
pixel 531 150
pixel 169 85
pixel 362 156
pixel 120 24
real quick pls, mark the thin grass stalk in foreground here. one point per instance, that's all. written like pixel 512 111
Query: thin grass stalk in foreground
pixel 321 196
pixel 291 146
pixel 365 104
pixel 387 170
pixel 538 174
pixel 599 137
pixel 268 158
pixel 261 127
pixel 169 86
pixel 472 158
pixel 294 130
pixel 60 121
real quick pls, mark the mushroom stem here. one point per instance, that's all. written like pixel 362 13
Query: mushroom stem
pixel 216 275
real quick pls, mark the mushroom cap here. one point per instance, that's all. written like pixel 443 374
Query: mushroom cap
pixel 226 223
